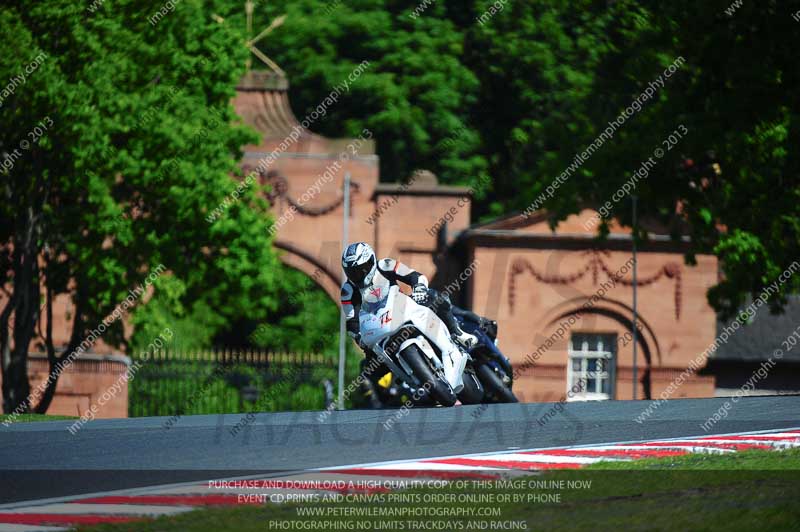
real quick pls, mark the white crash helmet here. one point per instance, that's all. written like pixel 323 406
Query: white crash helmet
pixel 359 264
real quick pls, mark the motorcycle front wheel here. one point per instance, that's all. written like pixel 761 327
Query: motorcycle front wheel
pixel 473 392
pixel 438 388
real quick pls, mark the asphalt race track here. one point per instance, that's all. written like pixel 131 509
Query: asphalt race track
pixel 42 460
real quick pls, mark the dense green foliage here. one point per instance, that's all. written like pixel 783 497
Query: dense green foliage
pixel 735 95
pixel 140 144
pixel 134 145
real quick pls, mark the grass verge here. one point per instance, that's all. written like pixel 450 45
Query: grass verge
pixel 27 418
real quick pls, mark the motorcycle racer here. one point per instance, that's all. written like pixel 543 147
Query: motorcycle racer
pixel 367 284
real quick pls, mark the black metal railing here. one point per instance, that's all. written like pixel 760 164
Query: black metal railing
pixel 171 382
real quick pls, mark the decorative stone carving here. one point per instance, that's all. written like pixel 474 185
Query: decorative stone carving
pixel 594 265
pixel 280 191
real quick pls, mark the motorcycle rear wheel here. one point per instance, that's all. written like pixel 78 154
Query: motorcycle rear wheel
pixel 493 385
pixel 439 389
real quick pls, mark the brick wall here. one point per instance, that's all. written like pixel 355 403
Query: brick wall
pixel 84 383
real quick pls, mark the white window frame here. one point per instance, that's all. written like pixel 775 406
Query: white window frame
pixel 584 354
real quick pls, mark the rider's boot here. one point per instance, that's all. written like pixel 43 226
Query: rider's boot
pixel 465 339
pixel 461 337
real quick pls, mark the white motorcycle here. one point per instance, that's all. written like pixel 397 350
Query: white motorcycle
pixel 398 330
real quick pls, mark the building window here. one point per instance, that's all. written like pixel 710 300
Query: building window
pixel 590 373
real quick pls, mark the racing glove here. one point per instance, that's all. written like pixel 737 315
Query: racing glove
pixel 420 294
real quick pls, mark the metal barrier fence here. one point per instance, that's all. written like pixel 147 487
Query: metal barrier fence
pixel 220 381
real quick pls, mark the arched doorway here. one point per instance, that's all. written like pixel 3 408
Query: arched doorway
pixel 328 276
pixel 592 326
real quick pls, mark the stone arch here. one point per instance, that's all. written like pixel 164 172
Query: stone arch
pixel 326 277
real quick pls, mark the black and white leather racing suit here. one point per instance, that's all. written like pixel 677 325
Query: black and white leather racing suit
pixel 389 272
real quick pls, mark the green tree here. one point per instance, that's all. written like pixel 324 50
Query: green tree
pixel 138 145
pixel 737 96
pixel 306 322
pixel 538 66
